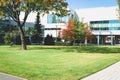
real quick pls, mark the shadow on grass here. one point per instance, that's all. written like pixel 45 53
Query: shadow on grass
pixel 80 49
pixel 98 49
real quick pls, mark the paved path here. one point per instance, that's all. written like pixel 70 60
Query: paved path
pixel 4 76
pixel 110 73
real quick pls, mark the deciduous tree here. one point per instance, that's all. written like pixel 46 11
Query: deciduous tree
pixel 80 33
pixel 88 32
pixel 74 31
pixel 69 33
pixel 13 9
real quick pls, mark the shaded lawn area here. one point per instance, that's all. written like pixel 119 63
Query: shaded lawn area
pixel 57 62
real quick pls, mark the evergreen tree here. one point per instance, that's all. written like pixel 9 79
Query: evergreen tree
pixel 37 24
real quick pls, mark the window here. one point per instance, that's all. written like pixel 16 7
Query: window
pixel 51 18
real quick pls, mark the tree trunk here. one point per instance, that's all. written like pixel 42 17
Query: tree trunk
pixel 22 37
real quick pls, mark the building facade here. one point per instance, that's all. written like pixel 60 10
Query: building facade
pixel 52 23
pixel 104 24
pixel 106 31
pixel 102 20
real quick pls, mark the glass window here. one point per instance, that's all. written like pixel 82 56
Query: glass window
pixel 51 18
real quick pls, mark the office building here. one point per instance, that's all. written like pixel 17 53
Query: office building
pixel 104 24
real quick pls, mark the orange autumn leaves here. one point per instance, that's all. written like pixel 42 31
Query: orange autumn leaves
pixel 70 32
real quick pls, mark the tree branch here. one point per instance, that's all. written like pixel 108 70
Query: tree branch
pixel 25 17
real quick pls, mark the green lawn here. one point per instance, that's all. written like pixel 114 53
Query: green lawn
pixel 56 62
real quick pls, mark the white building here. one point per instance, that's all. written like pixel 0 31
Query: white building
pixel 52 23
pixel 102 20
pixel 104 23
pixel 98 13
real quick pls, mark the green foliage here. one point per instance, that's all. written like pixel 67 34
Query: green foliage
pixel 9 38
pixel 35 38
pixel 13 9
pixel 74 31
pixel 49 40
pixel 30 31
pixel 43 6
pixel 69 33
pixel 80 33
pixel 38 25
pixel 60 43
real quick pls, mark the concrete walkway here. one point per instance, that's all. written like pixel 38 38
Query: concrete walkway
pixel 4 76
pixel 110 73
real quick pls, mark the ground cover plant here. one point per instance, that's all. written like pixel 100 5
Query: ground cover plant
pixel 56 62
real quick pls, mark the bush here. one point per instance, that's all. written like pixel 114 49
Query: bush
pixel 35 38
pixel 18 40
pixel 49 40
pixel 2 38
pixel 27 40
pixel 9 38
pixel 60 43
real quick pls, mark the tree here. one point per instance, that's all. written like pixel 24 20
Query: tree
pixel 88 33
pixel 13 9
pixel 69 33
pixel 74 31
pixel 37 23
pixel 79 29
pixel 36 37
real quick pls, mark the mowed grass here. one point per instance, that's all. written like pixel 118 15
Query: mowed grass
pixel 57 62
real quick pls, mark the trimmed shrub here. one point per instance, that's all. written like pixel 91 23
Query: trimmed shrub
pixel 18 40
pixel 49 40
pixel 35 38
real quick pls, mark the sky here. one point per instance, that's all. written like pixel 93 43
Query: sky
pixel 79 4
